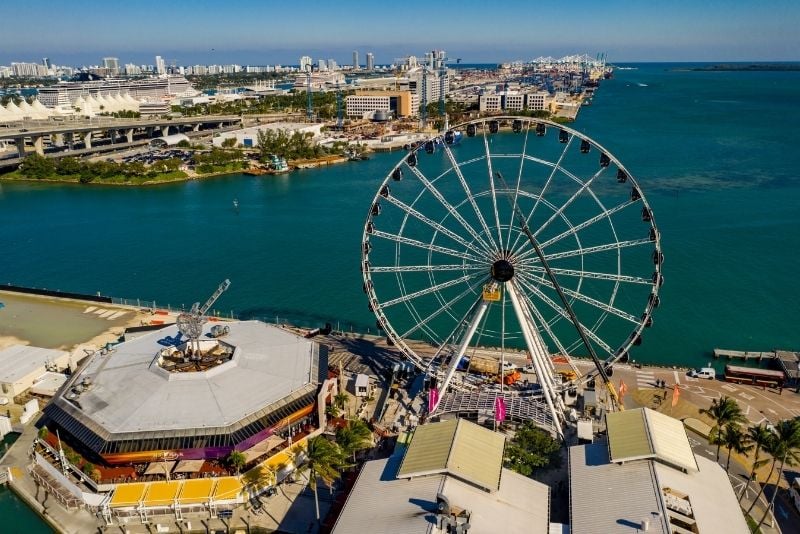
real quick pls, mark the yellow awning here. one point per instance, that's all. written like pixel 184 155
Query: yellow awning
pixel 162 493
pixel 128 494
pixel 227 488
pixel 197 490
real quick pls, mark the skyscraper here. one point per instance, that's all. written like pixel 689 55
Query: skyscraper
pixel 112 64
pixel 160 66
pixel 370 61
pixel 46 63
pixel 305 63
pixel 355 59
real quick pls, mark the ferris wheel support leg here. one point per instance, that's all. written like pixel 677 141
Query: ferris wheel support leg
pixel 472 327
pixel 545 378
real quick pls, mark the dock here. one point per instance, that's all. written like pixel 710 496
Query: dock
pixel 788 361
pixel 743 355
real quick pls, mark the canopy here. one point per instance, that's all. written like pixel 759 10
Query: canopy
pixel 188 466
pixel 159 468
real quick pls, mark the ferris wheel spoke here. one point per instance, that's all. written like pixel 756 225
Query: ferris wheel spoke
pixel 460 175
pixel 555 168
pixel 519 181
pixel 588 222
pixel 471 289
pixel 449 207
pixel 427 246
pixel 558 309
pixel 425 268
pixel 429 290
pixel 433 224
pixel 595 249
pixel 569 201
pixel 587 274
pixel 492 188
pixel 608 308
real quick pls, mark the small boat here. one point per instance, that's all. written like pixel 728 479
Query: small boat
pixel 236 204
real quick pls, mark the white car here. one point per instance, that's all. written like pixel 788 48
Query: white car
pixel 704 372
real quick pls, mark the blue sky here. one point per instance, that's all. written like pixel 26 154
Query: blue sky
pixel 267 32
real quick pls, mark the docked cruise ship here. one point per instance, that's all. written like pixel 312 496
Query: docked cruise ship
pixel 155 89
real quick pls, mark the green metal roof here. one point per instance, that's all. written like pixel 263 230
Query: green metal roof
pixel 628 438
pixel 645 433
pixel 457 447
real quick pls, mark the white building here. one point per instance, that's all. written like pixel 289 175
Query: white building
pixel 112 64
pixel 22 365
pixel 491 102
pixel 160 66
pixel 355 59
pixel 28 70
pixel 538 101
pixel 514 101
pixel 398 103
pixel 370 61
pixel 305 63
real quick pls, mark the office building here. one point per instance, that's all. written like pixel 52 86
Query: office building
pixel 370 61
pixel 305 63
pixel 355 59
pixel 161 68
pixel 396 103
pixel 111 64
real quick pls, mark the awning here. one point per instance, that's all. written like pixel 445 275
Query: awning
pixel 262 448
pixel 159 468
pixel 188 466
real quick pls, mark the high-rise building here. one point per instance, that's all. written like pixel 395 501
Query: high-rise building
pixel 28 70
pixel 112 64
pixel 355 59
pixel 46 63
pixel 370 61
pixel 305 63
pixel 332 65
pixel 161 68
pixel 322 65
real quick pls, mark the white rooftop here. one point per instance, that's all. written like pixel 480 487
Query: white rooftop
pixel 380 503
pixel 130 392
pixel 19 361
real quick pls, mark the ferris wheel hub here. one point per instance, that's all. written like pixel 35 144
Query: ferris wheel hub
pixel 502 270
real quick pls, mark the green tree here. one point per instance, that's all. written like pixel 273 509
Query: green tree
pixel 735 440
pixel 68 166
pixel 353 437
pixel 724 411
pixel 324 461
pixel 786 446
pixel 531 448
pixel 759 436
pixel 237 460
pixel 37 167
pixel 229 142
pixel 340 399
pixel 184 143
pixel 43 432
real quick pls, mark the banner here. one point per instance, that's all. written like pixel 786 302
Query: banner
pixel 623 388
pixel 676 392
pixel 433 399
pixel 499 409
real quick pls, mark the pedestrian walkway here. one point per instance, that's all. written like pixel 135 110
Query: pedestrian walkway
pixel 645 379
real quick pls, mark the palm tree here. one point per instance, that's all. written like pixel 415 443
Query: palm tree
pixel 340 399
pixel 735 440
pixel 353 437
pixel 237 459
pixel 324 460
pixel 724 412
pixel 787 445
pixel 759 436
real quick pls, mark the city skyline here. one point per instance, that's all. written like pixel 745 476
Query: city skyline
pixel 270 33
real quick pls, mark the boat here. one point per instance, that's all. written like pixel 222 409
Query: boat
pixel 278 164
pixel 235 204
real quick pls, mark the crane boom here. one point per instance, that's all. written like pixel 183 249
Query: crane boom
pixel 213 298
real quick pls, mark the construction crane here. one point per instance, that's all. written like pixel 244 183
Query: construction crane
pixel 309 110
pixel 523 223
pixel 190 324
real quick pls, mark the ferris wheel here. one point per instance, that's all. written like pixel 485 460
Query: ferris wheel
pixel 534 241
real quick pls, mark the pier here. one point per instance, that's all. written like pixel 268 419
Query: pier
pixel 743 355
pixel 787 361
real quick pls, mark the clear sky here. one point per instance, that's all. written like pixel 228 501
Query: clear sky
pixel 266 32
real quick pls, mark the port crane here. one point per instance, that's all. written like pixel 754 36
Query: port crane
pixel 190 324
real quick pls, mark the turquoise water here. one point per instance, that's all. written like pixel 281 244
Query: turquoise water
pixel 715 153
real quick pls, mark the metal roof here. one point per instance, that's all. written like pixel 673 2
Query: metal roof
pixel 130 395
pixel 18 361
pixel 644 433
pixel 611 498
pixel 380 503
pixel 457 447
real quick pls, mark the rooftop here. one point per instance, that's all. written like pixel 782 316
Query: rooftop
pixel 126 391
pixel 644 433
pixel 18 361
pixel 457 447
pixel 399 506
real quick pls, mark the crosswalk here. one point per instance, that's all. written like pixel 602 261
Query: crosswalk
pixel 645 379
pixel 104 313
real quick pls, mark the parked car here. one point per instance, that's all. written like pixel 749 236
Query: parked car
pixel 703 372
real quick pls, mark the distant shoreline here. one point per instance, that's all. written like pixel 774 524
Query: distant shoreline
pixel 750 67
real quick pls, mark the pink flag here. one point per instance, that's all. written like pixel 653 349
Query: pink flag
pixel 499 409
pixel 433 399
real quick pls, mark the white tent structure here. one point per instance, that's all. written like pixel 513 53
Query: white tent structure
pixel 40 109
pixel 14 113
pixel 131 103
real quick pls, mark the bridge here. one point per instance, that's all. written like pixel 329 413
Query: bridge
pixel 67 133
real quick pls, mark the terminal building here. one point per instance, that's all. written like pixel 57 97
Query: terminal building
pixel 515 101
pixel 149 89
pixel 154 398
pixel 395 103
